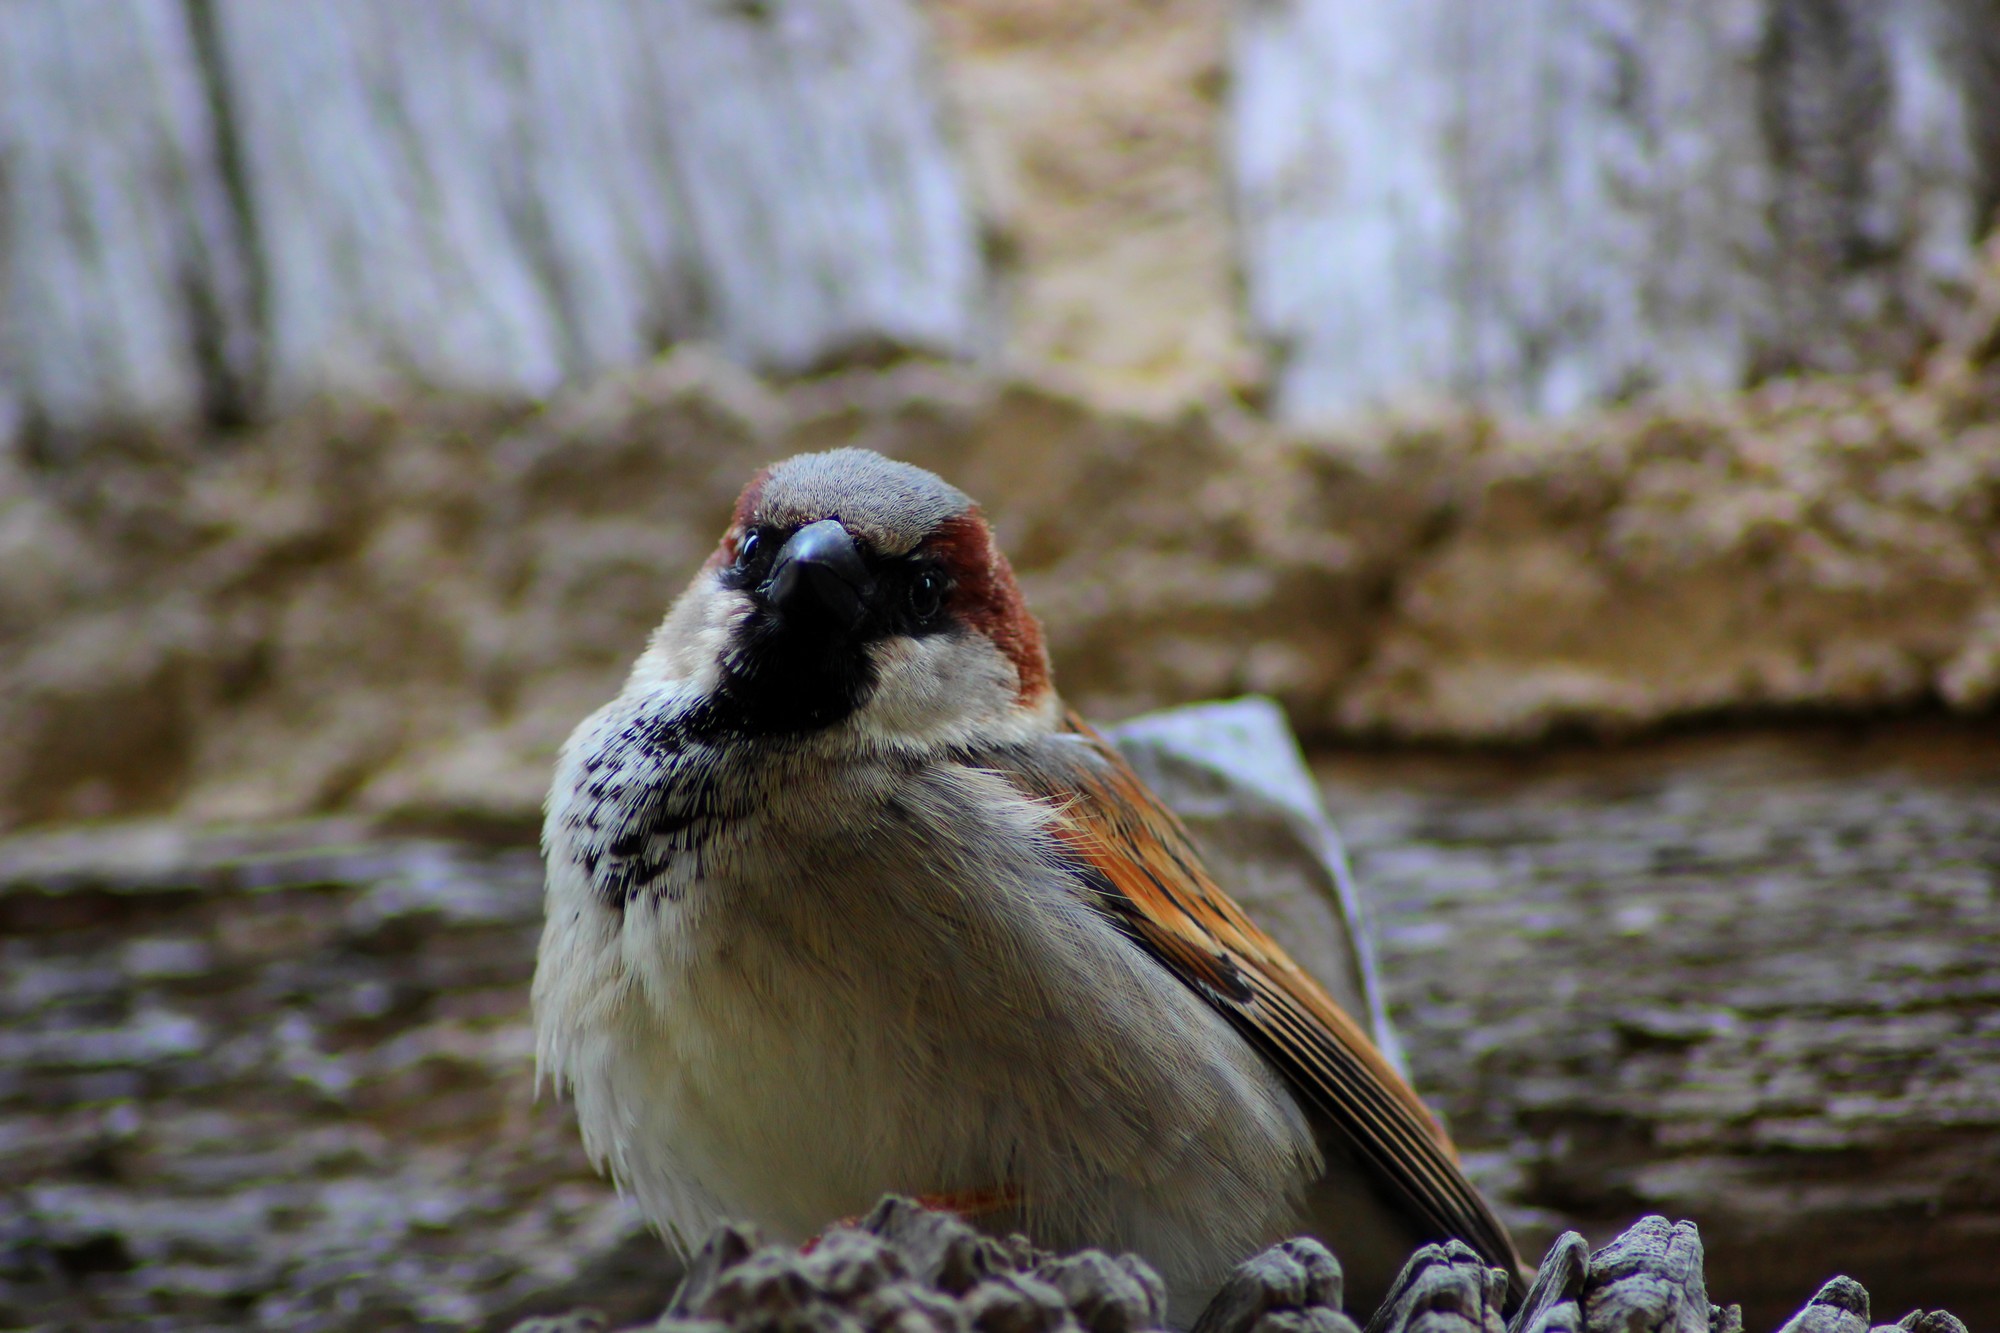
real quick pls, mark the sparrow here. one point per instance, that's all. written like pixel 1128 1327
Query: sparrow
pixel 841 901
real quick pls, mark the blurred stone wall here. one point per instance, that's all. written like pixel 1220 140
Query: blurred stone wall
pixel 403 610
pixel 1549 204
pixel 219 209
pixel 340 470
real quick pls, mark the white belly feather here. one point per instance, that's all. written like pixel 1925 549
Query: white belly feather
pixel 816 1017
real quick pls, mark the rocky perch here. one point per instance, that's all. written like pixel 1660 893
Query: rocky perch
pixel 905 1269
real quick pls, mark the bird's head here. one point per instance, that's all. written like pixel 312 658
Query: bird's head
pixel 852 590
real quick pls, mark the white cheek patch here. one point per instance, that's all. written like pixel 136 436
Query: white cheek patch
pixel 689 645
pixel 932 687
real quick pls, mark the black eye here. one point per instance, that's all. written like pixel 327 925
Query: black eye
pixel 746 550
pixel 927 591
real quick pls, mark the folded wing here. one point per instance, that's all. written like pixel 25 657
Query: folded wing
pixel 1141 870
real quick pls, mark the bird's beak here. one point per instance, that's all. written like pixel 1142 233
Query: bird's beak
pixel 818 575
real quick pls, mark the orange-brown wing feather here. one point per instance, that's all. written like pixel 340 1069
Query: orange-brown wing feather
pixel 1154 886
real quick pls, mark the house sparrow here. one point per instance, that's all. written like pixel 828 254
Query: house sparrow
pixel 841 901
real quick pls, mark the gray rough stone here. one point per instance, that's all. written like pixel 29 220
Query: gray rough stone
pixel 1841 1306
pixel 848 1264
pixel 1931 1321
pixel 1443 1289
pixel 724 1249
pixel 941 1250
pixel 1647 1280
pixel 907 1269
pixel 770 1286
pixel 1293 1287
pixel 1650 1277
pixel 1107 1294
pixel 1016 1303
pixel 1554 1300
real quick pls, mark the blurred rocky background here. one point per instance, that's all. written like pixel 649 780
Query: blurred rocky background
pixel 1583 418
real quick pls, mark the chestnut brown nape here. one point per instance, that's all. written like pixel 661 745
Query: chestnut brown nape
pixel 990 601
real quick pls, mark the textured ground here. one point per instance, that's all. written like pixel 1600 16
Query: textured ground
pixel 1754 981
pixel 281 1078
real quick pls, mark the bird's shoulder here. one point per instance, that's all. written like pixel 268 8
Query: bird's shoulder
pixel 1137 865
